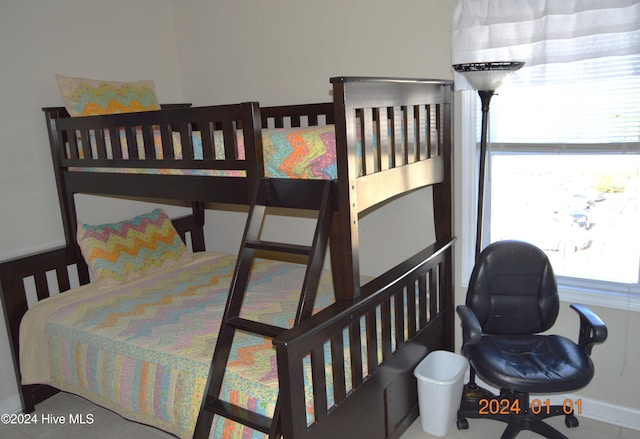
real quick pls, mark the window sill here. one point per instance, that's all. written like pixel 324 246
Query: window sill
pixel 623 300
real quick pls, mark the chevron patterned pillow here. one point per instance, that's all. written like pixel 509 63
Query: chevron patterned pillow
pixel 127 250
pixel 90 97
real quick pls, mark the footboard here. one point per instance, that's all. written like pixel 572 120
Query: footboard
pixel 29 279
pixel 374 344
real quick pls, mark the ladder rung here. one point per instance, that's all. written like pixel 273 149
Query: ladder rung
pixel 254 327
pixel 280 247
pixel 265 192
pixel 238 414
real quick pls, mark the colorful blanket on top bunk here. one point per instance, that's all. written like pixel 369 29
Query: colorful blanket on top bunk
pixel 308 153
pixel 143 349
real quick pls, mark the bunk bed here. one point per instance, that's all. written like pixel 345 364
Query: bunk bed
pixel 345 366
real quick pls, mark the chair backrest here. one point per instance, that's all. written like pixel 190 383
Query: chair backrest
pixel 513 289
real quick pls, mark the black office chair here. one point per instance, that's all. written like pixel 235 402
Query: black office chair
pixel 512 298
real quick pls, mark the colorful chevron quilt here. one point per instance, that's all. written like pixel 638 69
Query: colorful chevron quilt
pixel 144 349
pixel 308 153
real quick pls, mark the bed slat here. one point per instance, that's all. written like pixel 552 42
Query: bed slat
pixel 319 383
pixel 116 143
pixel 229 132
pixel 396 124
pixel 398 309
pixel 382 133
pixel 372 341
pixel 421 124
pixel 186 140
pixel 147 139
pixel 410 135
pixel 73 145
pixel 86 143
pixel 101 148
pixel 42 285
pixel 412 324
pixel 429 147
pixel 423 303
pixel 62 275
pixel 166 134
pixel 366 133
pixel 385 309
pixel 338 369
pixel 208 142
pixel 355 350
pixel 437 132
pixel 433 295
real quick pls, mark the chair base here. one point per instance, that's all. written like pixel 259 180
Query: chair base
pixel 514 409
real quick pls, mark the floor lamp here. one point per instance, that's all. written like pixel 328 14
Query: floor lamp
pixel 486 78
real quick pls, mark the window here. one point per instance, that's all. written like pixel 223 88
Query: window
pixel 564 142
pixel 581 209
pixel 564 172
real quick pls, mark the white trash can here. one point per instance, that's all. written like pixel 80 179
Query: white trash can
pixel 440 381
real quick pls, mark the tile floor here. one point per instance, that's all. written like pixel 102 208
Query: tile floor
pixel 109 425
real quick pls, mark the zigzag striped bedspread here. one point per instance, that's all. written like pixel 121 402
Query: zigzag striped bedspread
pixel 143 350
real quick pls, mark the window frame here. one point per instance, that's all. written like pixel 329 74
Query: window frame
pixel 590 292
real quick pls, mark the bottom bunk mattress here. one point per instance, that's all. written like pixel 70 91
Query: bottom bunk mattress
pixel 143 349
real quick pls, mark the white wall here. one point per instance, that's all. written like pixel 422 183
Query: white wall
pixel 115 39
pixel 284 51
pixel 118 40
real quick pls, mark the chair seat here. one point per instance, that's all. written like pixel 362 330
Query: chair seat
pixel 532 363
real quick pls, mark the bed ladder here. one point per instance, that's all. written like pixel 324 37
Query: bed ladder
pixel 231 321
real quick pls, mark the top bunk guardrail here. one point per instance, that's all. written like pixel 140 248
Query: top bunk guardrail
pixel 164 153
pixel 177 137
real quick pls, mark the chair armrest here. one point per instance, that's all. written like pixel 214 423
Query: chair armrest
pixel 471 329
pixel 592 329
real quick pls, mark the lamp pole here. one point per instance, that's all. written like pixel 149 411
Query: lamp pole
pixel 485 77
pixel 485 98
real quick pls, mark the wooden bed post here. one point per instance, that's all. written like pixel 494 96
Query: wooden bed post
pixel 253 146
pixel 344 242
pixel 443 192
pixel 197 234
pixel 443 203
pixel 66 200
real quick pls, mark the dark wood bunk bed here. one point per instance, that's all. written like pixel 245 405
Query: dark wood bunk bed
pixel 392 136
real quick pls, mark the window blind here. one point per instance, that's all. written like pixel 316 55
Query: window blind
pixel 564 105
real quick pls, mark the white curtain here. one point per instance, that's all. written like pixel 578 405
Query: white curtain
pixel 545 33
